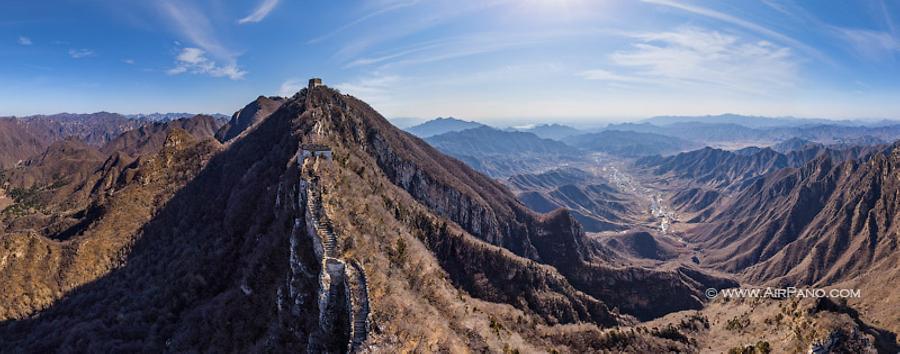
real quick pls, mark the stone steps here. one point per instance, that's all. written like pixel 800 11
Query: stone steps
pixel 352 276
pixel 359 296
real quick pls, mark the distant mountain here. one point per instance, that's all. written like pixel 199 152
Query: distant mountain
pixel 730 134
pixel 749 151
pixel 165 117
pixel 716 167
pixel 701 177
pixel 590 199
pixel 150 138
pixel 724 169
pixel 548 180
pixel 17 143
pixel 93 129
pixel 791 144
pixel 707 133
pixel 552 131
pixel 244 119
pixel 440 126
pixel 22 138
pixel 405 122
pixel 62 162
pixel 501 153
pixel 747 121
pixel 629 143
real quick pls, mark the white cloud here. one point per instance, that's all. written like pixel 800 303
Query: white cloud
pixel 24 40
pixel 207 55
pixel 605 75
pixel 383 9
pixel 716 15
pixel 128 61
pixel 441 13
pixel 375 89
pixel 192 56
pixel 467 45
pixel 261 12
pixel 194 60
pixel 875 45
pixel 290 87
pixel 80 53
pixel 696 58
pixel 196 28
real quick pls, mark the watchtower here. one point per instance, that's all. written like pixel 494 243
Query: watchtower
pixel 315 82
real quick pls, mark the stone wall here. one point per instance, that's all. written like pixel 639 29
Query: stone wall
pixel 343 299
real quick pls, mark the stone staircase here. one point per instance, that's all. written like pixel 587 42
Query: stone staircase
pixel 336 273
pixel 359 307
pixel 321 223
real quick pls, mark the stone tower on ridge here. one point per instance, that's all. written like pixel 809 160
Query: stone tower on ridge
pixel 315 82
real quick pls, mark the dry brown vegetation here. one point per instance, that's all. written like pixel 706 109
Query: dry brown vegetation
pixel 37 270
pixel 204 247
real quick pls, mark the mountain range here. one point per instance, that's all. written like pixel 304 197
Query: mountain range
pixel 551 131
pixel 164 117
pixel 441 126
pixel 590 199
pixel 311 223
pixel 825 222
pixel 24 137
pixel 746 121
pixel 630 144
pixel 502 153
pixel 730 135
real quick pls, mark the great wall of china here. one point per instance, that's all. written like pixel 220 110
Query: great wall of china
pixel 343 299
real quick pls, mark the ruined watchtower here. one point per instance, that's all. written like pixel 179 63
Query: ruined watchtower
pixel 315 82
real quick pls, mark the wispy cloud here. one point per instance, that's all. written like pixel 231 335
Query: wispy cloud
pixel 204 53
pixel 869 44
pixel 261 12
pixel 290 87
pixel 81 53
pixel 24 40
pixel 692 57
pixel 888 19
pixel 375 89
pixel 431 17
pixel 605 75
pixel 195 27
pixel 194 61
pixel 873 45
pixel 389 7
pixel 128 61
pixel 468 45
pixel 748 25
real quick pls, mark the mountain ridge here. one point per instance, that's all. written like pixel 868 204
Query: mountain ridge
pixel 441 125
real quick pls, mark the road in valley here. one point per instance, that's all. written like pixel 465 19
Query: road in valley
pixel 660 213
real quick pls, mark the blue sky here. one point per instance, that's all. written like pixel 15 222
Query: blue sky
pixel 491 60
